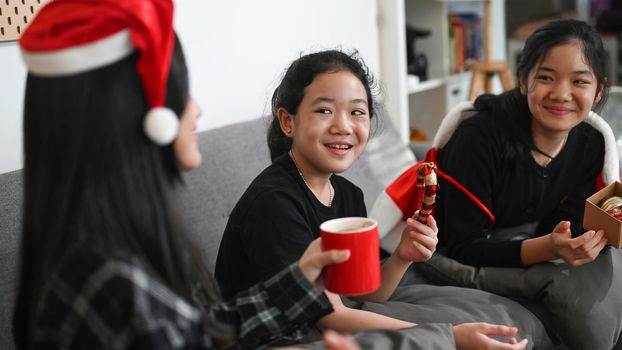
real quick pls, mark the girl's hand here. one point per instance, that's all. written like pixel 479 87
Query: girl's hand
pixel 314 259
pixel 477 336
pixel 418 241
pixel 576 251
pixel 338 341
pixel 333 341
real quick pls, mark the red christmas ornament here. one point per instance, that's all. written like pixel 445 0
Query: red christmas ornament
pixel 613 206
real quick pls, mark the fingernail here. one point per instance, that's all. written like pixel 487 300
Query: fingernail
pixel 330 335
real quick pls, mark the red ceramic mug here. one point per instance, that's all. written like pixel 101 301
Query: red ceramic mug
pixel 360 274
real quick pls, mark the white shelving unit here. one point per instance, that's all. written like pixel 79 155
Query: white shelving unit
pixel 423 105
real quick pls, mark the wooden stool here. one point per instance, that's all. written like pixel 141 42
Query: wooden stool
pixel 483 72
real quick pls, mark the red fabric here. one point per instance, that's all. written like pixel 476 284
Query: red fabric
pixel 408 197
pixel 600 184
pixel 404 192
pixel 63 24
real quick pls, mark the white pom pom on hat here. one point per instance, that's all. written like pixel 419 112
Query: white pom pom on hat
pixel 92 34
pixel 161 125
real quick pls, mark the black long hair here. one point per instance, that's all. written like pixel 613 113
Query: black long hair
pixel 512 115
pixel 91 176
pixel 299 75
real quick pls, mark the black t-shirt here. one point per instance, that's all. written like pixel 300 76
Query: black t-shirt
pixel 517 193
pixel 274 222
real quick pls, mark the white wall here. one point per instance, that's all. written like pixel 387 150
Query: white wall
pixel 12 78
pixel 236 50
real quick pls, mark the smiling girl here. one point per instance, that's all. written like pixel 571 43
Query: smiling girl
pixel 322 112
pixel 325 119
pixel 528 155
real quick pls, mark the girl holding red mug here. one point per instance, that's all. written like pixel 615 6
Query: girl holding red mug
pixel 322 112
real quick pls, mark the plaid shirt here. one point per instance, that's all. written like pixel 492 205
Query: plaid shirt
pixel 96 301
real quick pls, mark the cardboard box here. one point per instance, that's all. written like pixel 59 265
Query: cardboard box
pixel 596 219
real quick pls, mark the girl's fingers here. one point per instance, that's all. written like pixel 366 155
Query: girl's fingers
pixel 582 240
pixel 595 241
pixel 425 251
pixel 415 226
pixel 562 227
pixel 432 223
pixel 494 329
pixel 602 244
pixel 520 345
pixel 591 255
pixel 426 241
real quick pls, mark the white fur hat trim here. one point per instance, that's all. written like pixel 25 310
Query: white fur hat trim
pixel 161 125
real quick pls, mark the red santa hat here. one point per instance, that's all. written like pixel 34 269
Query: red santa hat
pixel 402 197
pixel 69 37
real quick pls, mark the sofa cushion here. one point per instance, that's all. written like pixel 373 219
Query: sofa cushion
pixel 233 156
pixel 433 304
pixel 10 224
pixel 580 305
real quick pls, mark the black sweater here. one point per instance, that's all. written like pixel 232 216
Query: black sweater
pixel 273 223
pixel 517 192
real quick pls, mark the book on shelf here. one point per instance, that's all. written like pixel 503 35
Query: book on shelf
pixel 465 40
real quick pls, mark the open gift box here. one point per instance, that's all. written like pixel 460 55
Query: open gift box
pixel 596 219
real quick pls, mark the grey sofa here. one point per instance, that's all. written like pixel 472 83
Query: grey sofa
pixel 233 155
pixel 10 216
